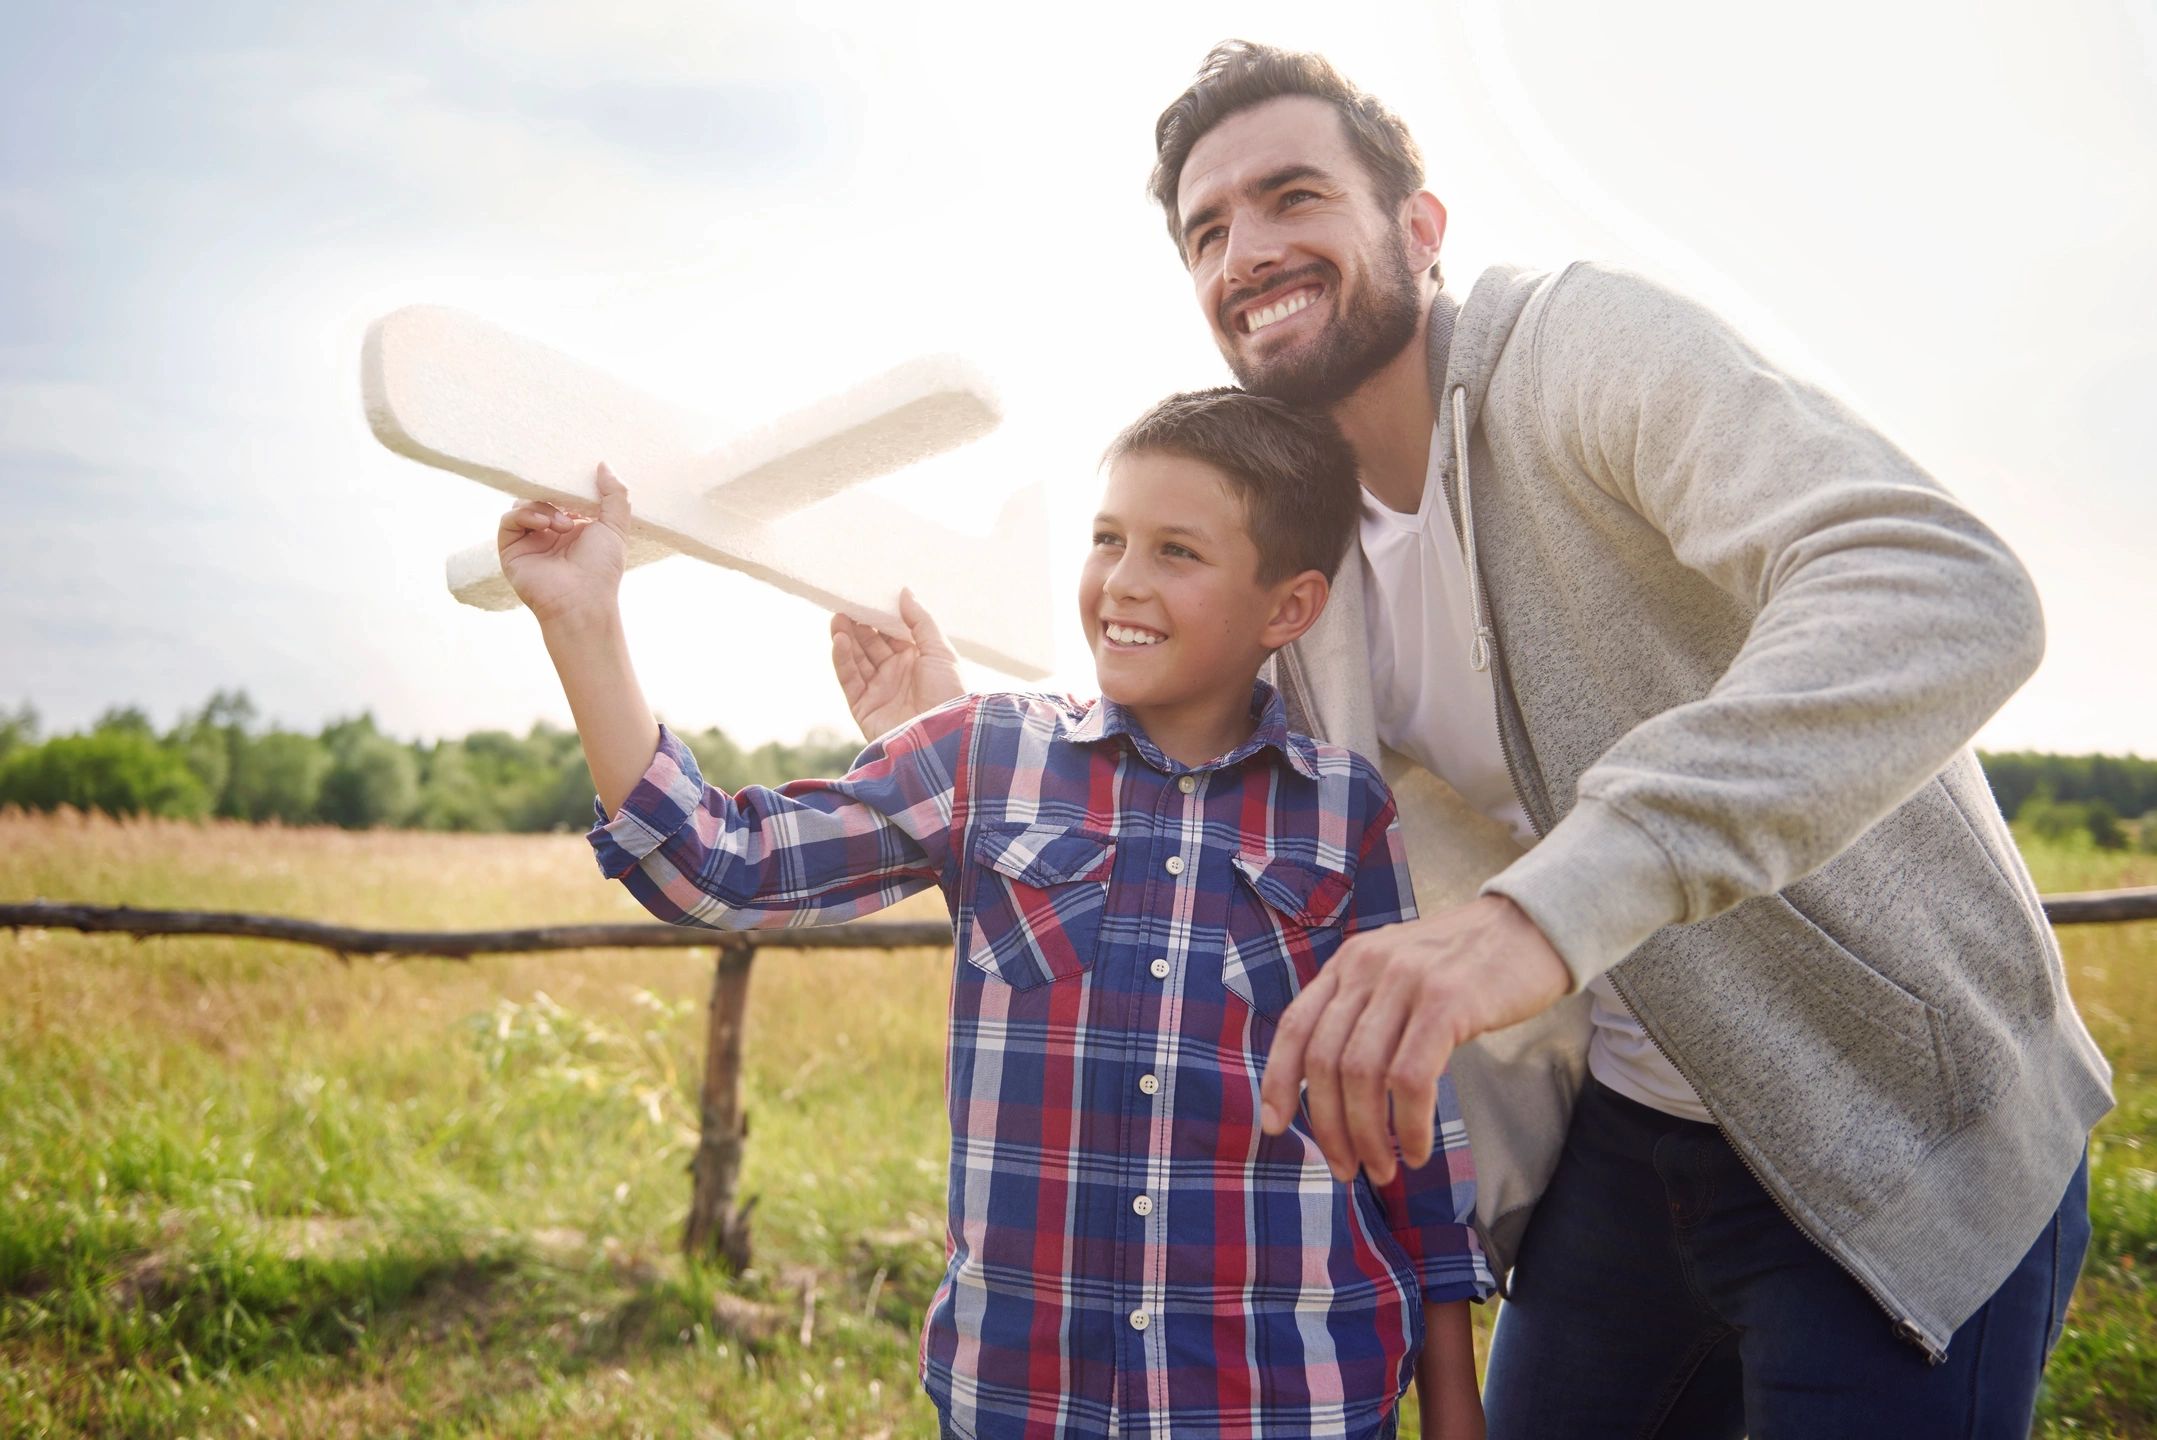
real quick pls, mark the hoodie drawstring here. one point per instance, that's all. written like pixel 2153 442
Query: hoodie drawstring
pixel 1478 648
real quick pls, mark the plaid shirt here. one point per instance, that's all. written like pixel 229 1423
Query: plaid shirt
pixel 1127 1252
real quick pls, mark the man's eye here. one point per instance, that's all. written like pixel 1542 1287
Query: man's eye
pixel 1293 197
pixel 1199 246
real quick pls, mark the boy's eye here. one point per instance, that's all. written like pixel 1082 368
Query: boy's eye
pixel 1104 537
pixel 1182 552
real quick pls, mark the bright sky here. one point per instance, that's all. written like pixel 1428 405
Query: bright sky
pixel 1946 212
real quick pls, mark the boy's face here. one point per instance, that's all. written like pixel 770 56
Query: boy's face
pixel 1170 597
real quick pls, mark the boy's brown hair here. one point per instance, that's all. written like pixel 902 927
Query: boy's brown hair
pixel 1291 469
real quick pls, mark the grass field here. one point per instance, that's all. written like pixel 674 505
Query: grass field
pixel 247 1190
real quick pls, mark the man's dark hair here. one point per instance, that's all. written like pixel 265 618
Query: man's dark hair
pixel 1291 469
pixel 1237 74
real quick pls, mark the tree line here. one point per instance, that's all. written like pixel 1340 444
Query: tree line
pixel 220 760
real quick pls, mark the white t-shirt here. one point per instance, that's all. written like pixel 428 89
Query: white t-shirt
pixel 1441 712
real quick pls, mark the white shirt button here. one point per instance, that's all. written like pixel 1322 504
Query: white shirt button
pixel 1139 1320
pixel 1143 1205
pixel 1149 1084
pixel 1186 783
pixel 1175 864
pixel 1159 967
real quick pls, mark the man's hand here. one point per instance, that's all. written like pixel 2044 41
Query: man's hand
pixel 1385 1015
pixel 889 679
pixel 566 567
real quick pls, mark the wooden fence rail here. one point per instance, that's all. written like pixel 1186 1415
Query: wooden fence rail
pixel 717 1226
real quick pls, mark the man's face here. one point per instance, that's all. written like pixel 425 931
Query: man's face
pixel 1170 596
pixel 1305 281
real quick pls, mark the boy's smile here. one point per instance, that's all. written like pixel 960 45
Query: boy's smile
pixel 1175 615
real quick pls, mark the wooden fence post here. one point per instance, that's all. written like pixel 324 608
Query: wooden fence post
pixel 716 1226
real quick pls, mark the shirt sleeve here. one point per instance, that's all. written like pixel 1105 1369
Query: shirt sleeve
pixel 811 852
pixel 1887 625
pixel 1430 1211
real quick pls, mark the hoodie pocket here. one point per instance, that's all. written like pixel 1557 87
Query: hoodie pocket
pixel 1831 1074
pixel 1284 921
pixel 1039 895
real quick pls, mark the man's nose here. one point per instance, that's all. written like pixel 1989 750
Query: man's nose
pixel 1253 248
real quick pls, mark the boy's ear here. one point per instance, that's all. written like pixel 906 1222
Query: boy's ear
pixel 1297 602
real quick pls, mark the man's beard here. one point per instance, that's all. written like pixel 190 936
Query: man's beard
pixel 1361 342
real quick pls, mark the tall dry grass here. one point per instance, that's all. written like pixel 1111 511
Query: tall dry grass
pixel 247 1189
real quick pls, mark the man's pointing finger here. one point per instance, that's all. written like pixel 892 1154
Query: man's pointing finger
pixel 1280 1090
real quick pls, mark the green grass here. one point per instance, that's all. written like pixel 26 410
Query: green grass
pixel 2103 1378
pixel 247 1190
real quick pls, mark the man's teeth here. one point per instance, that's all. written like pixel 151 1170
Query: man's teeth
pixel 1125 635
pixel 1258 320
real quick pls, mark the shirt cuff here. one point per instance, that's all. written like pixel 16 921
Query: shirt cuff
pixel 1596 886
pixel 661 803
pixel 1446 1278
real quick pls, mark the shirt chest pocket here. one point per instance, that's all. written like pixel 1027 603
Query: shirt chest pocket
pixel 1040 892
pixel 1284 921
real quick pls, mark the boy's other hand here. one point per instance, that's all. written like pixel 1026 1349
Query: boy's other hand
pixel 889 679
pixel 566 566
pixel 1384 1017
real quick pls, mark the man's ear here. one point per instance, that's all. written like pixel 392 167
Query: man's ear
pixel 1296 604
pixel 1423 226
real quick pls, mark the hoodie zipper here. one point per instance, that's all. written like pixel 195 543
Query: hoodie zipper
pixel 1483 653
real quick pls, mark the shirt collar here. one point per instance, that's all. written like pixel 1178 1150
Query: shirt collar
pixel 1107 720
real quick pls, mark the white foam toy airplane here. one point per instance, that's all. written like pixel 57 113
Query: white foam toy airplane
pixel 450 390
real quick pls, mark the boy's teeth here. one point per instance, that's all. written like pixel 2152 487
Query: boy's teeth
pixel 1260 319
pixel 1124 635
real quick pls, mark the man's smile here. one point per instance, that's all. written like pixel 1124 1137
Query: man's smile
pixel 1248 313
pixel 1258 317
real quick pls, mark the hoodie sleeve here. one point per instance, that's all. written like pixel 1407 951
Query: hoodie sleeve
pixel 1888 622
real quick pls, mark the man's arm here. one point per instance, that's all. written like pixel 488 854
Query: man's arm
pixel 1890 624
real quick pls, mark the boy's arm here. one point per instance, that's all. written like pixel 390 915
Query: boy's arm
pixel 1446 1394
pixel 814 851
pixel 567 569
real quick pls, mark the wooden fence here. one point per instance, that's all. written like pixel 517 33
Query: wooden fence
pixel 717 1226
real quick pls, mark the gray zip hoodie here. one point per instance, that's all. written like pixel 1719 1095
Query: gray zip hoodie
pixel 1740 644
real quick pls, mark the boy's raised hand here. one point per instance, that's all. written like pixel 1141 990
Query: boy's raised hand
pixel 889 679
pixel 565 566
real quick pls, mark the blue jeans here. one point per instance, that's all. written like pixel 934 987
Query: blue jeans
pixel 1660 1292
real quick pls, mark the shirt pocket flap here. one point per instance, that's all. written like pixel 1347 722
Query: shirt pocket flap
pixel 1306 893
pixel 1044 855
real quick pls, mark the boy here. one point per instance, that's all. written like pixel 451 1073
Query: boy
pixel 1139 886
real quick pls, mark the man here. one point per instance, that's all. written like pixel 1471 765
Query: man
pixel 1674 664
